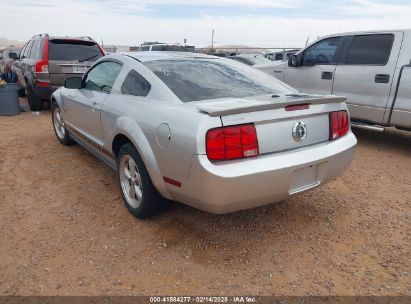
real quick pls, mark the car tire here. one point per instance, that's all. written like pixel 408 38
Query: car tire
pixel 35 103
pixel 139 194
pixel 59 127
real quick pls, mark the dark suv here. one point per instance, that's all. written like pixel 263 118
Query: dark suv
pixel 45 62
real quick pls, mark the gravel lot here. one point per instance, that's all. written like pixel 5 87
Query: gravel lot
pixel 65 231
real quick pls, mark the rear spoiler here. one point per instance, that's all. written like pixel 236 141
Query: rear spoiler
pixel 230 106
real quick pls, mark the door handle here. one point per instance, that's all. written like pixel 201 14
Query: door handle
pixel 327 75
pixel 382 78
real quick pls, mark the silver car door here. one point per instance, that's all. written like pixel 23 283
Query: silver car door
pixel 315 74
pixel 84 105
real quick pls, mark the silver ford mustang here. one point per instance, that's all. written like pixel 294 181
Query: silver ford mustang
pixel 206 131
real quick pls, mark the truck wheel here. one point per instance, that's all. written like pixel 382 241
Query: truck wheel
pixel 59 128
pixel 35 103
pixel 139 194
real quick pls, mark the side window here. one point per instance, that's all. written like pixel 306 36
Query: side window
pixel 102 77
pixel 28 49
pixel 135 85
pixel 322 52
pixel 370 49
pixel 279 56
pixel 35 49
pixel 24 52
pixel 145 48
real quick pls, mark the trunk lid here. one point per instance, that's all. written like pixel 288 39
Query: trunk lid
pixel 279 129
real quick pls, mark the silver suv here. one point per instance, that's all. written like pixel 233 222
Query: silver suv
pixel 45 62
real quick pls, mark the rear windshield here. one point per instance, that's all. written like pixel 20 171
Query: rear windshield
pixel 201 79
pixel 70 50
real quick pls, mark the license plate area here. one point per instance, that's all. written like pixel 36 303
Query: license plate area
pixel 304 178
pixel 79 69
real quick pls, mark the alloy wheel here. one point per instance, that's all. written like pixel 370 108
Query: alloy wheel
pixel 130 180
pixel 58 123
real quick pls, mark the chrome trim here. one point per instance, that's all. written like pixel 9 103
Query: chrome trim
pixel 364 126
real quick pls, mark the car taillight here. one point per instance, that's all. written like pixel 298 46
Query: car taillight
pixel 42 66
pixel 339 124
pixel 232 142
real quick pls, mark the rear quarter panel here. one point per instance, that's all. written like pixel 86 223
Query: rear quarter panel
pixel 166 136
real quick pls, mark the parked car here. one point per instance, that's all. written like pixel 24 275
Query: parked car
pixel 281 55
pixel 206 131
pixel 46 61
pixel 158 46
pixel 109 49
pixel 371 69
pixel 251 60
pixel 7 54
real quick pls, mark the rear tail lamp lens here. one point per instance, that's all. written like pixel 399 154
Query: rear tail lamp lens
pixel 339 124
pixel 232 142
pixel 42 67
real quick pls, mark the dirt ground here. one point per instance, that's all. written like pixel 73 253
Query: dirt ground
pixel 65 231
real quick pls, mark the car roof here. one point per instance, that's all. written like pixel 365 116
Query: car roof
pixel 367 32
pixel 88 39
pixel 154 56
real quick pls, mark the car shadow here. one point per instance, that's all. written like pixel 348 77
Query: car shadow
pixel 238 237
pixel 391 139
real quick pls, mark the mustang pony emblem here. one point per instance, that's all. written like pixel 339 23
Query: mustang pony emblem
pixel 299 131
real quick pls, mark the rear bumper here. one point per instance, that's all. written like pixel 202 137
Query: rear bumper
pixel 230 186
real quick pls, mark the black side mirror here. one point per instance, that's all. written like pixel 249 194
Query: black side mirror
pixel 293 61
pixel 73 83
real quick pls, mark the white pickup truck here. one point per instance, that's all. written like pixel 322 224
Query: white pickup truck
pixel 371 69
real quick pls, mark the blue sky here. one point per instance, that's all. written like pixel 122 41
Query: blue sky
pixel 251 22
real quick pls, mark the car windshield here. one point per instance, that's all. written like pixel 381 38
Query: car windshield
pixel 70 50
pixel 195 79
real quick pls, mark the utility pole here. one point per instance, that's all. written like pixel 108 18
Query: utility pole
pixel 212 42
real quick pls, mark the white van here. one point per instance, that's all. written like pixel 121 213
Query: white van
pixel 371 69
